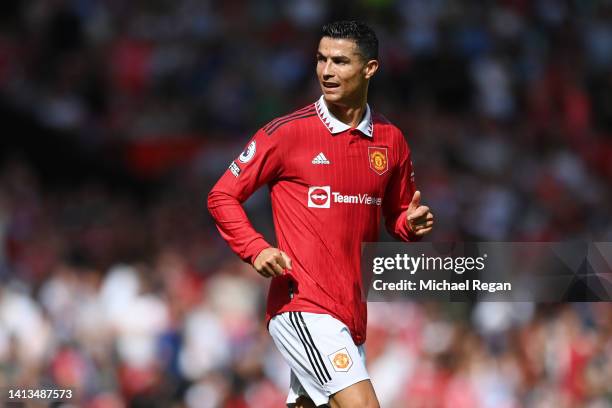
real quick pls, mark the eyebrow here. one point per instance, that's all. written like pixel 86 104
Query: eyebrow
pixel 334 58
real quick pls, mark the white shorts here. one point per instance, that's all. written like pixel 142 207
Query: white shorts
pixel 320 352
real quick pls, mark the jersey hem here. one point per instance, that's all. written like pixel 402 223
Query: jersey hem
pixel 309 309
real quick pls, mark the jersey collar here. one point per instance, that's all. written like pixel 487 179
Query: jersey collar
pixel 366 126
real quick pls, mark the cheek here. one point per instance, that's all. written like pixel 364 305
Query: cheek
pixel 351 79
pixel 344 77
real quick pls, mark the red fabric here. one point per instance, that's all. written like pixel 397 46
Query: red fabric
pixel 323 243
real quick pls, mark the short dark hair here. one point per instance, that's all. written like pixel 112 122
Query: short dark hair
pixel 363 35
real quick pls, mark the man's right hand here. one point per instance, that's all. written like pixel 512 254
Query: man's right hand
pixel 271 262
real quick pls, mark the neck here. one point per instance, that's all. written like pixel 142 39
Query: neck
pixel 350 113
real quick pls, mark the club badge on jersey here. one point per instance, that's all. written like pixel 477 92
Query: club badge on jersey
pixel 378 160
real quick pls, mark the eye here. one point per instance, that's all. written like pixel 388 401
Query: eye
pixel 340 61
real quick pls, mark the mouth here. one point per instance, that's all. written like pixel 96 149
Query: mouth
pixel 330 85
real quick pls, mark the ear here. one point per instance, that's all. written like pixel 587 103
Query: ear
pixel 370 68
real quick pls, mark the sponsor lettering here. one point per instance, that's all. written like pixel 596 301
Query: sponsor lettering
pixel 322 196
pixel 356 199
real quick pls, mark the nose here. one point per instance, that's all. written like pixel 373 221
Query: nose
pixel 327 71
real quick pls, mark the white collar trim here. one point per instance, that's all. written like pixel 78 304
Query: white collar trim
pixel 366 126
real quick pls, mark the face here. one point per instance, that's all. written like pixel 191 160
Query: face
pixel 342 71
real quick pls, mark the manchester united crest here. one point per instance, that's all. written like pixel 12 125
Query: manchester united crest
pixel 378 159
pixel 341 360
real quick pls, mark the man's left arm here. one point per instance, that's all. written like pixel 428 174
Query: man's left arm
pixel 405 218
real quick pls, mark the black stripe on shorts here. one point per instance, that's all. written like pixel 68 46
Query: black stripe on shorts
pixel 313 345
pixel 311 352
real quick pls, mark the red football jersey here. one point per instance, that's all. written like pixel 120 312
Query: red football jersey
pixel 328 184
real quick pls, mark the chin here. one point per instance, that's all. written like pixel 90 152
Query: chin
pixel 332 97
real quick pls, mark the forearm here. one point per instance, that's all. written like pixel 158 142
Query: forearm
pixel 234 226
pixel 398 227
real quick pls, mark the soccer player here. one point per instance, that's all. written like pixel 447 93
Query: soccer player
pixel 333 168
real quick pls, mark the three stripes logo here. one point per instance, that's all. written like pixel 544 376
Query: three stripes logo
pixel 305 112
pixel 314 356
pixel 320 159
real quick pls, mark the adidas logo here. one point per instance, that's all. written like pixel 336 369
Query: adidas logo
pixel 320 159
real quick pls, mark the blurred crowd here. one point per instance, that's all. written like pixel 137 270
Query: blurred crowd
pixel 132 298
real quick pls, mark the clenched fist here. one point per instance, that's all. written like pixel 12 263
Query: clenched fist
pixel 271 262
